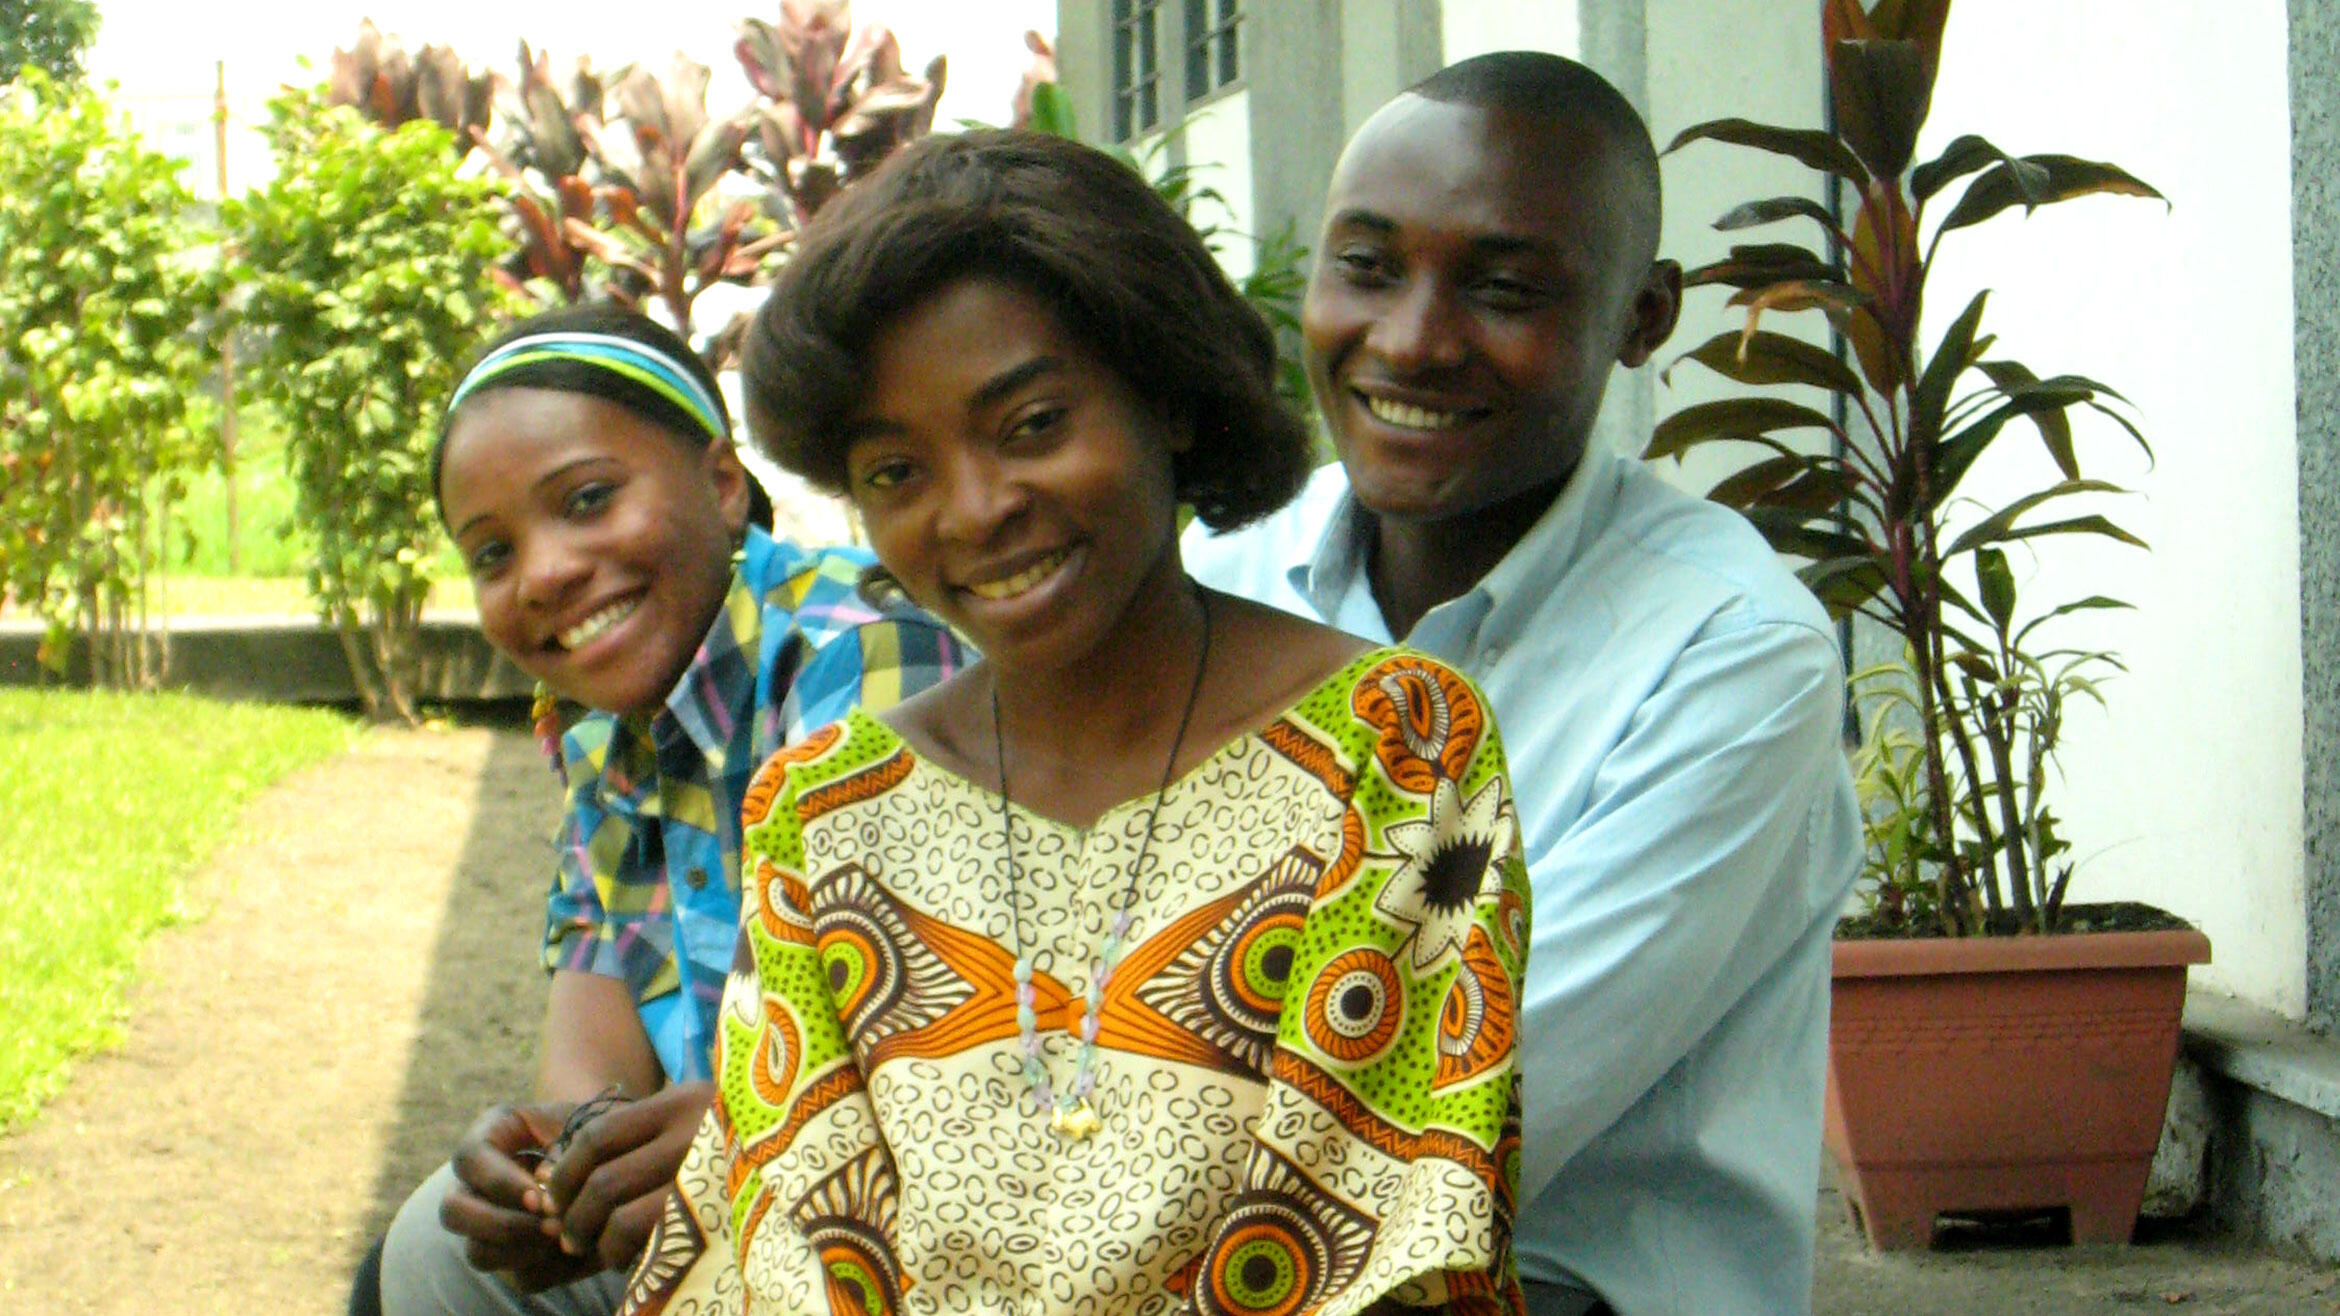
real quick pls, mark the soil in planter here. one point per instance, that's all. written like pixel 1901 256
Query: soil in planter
pixel 2111 916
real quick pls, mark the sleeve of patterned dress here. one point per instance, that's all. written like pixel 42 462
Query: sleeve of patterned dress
pixel 1387 1153
pixel 749 1227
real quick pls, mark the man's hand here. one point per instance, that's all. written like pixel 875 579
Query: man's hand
pixel 610 1183
pixel 498 1205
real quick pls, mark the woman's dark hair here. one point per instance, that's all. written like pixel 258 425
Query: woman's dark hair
pixel 1072 226
pixel 571 376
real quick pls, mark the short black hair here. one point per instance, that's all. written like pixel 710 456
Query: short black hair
pixel 1121 270
pixel 1539 85
pixel 568 376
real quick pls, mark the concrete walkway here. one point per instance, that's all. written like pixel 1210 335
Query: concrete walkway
pixel 2019 1269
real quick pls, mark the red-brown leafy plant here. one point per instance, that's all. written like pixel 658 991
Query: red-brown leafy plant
pixel 1961 838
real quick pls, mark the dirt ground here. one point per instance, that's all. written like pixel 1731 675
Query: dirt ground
pixel 365 982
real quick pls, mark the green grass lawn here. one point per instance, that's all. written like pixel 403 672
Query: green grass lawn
pixel 109 805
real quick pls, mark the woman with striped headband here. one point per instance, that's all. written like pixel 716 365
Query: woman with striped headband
pixel 587 474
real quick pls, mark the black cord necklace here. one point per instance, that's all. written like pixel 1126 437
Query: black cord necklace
pixel 1071 1114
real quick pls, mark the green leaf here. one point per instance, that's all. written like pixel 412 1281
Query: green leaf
pixel 1920 21
pixel 1818 491
pixel 1976 666
pixel 1744 486
pixel 2067 177
pixel 1814 148
pixel 1950 360
pixel 1769 358
pixel 2124 422
pixel 2055 428
pixel 1957 453
pixel 2079 525
pixel 1757 213
pixel 1793 532
pixel 1999 526
pixel 1845 584
pixel 1966 155
pixel 1052 111
pixel 1762 266
pixel 1730 419
pixel 1998 588
pixel 1881 93
pixel 2093 603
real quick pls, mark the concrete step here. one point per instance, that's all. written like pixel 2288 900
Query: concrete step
pixel 284 659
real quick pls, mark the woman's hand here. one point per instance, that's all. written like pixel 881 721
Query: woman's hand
pixel 609 1184
pixel 497 1204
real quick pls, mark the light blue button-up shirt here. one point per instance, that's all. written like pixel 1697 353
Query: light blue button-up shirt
pixel 1672 703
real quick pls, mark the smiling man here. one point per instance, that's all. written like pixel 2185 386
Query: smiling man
pixel 1670 696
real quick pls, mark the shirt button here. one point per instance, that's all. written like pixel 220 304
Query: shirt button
pixel 696 878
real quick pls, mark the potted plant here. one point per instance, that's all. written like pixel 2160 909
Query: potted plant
pixel 1978 1059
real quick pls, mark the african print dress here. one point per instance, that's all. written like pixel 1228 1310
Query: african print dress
pixel 1305 1070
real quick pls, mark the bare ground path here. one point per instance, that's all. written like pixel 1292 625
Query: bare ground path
pixel 365 981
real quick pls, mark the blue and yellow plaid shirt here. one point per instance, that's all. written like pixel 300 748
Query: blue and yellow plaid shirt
pixel 648 884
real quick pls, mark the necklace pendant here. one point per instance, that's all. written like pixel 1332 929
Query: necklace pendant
pixel 1076 1121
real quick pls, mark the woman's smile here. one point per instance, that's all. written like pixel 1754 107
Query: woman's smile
pixel 1023 580
pixel 593 627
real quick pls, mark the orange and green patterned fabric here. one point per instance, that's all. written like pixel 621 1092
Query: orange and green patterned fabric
pixel 1306 1072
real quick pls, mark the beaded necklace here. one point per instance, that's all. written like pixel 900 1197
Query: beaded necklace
pixel 1070 1113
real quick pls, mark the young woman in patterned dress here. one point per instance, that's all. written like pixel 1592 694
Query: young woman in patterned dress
pixel 1164 959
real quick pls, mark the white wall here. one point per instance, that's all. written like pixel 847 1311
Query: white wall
pixel 2188 794
pixel 1475 27
pixel 1218 141
pixel 1716 59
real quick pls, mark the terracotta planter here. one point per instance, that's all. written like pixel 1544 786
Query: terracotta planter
pixel 2003 1073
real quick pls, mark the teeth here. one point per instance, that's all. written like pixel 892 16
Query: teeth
pixel 1021 581
pixel 583 632
pixel 1411 417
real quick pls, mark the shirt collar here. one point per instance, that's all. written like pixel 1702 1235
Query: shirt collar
pixel 709 705
pixel 1506 595
pixel 1338 561
pixel 1544 556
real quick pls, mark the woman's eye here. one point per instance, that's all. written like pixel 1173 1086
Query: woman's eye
pixel 484 559
pixel 883 475
pixel 1036 422
pixel 590 499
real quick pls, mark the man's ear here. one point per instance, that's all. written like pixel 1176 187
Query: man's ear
pixel 1657 305
pixel 729 476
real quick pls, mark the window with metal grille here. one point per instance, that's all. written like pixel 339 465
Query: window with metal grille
pixel 1213 59
pixel 1137 79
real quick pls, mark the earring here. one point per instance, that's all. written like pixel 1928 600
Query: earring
pixel 544 715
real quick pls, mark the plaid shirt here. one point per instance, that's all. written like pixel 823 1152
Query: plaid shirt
pixel 649 847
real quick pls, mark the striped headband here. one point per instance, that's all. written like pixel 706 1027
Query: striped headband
pixel 640 362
